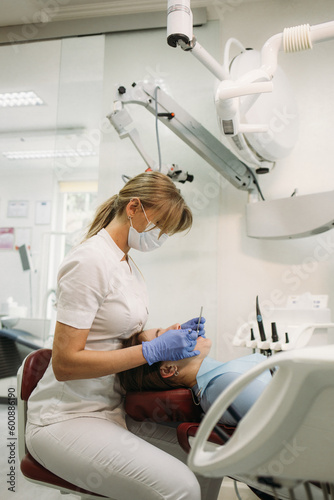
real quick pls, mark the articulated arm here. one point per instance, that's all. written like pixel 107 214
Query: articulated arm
pixel 185 127
pixel 293 217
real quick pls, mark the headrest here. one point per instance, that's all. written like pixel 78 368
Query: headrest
pixel 175 405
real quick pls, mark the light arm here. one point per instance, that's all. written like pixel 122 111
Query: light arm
pixel 189 130
pixel 121 119
pixel 179 32
pixel 294 39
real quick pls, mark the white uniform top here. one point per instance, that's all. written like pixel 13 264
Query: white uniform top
pixel 100 292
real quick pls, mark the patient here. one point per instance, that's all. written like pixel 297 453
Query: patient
pixel 206 377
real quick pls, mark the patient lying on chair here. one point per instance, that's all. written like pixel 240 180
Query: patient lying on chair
pixel 205 376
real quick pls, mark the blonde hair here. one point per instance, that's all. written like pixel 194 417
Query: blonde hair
pixel 155 190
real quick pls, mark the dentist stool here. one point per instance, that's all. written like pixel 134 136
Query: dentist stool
pixel 30 372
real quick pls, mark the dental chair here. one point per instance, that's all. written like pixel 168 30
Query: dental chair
pixel 283 448
pixel 285 443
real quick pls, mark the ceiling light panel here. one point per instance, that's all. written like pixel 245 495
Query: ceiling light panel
pixel 38 155
pixel 14 99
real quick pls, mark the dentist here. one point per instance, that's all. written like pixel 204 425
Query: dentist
pixel 76 424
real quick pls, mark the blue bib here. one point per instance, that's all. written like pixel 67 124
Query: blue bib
pixel 213 377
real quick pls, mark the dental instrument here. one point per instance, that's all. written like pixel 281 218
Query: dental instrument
pixel 260 321
pixel 199 319
pixel 274 335
pixel 264 345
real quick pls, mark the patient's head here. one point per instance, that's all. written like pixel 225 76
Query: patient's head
pixel 163 375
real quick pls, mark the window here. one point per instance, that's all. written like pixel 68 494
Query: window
pixel 79 200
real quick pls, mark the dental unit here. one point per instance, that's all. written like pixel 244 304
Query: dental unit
pixel 256 114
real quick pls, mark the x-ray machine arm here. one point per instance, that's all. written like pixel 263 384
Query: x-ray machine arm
pixel 184 126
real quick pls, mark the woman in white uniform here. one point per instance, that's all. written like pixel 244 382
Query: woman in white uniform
pixel 76 424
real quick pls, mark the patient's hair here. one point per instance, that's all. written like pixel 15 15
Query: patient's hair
pixel 146 377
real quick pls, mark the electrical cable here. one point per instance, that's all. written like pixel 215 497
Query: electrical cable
pixel 30 290
pixel 156 124
pixel 255 181
pixel 236 490
pixel 308 492
pixel 291 494
pixel 227 49
pixel 275 493
pixel 324 491
pixel 331 491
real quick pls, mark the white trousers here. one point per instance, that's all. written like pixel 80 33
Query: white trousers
pixel 146 463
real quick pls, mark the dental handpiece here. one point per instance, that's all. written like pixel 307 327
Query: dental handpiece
pixel 260 321
pixel 199 319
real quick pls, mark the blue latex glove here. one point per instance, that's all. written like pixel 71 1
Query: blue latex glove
pixel 171 346
pixel 192 323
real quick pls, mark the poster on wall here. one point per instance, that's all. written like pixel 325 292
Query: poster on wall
pixel 17 208
pixel 6 238
pixel 43 212
pixel 22 237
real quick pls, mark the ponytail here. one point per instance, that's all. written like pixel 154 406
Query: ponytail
pixel 104 214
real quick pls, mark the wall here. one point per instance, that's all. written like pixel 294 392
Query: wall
pixel 32 187
pixel 27 67
pixel 276 269
pixel 181 276
pixel 68 74
pixel 216 265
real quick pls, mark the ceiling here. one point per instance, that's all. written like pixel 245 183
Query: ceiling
pixel 52 69
pixel 68 77
pixel 24 11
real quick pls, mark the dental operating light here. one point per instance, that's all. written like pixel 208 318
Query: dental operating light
pixel 254 102
pixel 258 116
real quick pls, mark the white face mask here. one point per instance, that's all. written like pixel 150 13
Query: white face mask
pixel 148 240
